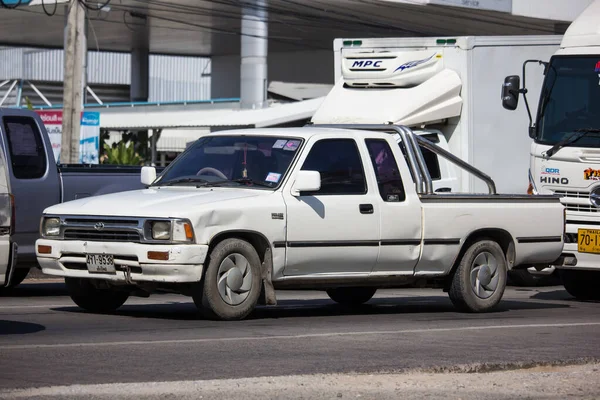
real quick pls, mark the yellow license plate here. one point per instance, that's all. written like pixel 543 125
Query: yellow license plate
pixel 588 240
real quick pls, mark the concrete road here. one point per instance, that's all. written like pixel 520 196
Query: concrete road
pixel 45 340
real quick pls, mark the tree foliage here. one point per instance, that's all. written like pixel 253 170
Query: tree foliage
pixel 122 154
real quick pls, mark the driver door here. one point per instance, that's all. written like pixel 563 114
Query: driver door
pixel 334 230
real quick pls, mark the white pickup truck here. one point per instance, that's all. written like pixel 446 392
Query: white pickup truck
pixel 346 209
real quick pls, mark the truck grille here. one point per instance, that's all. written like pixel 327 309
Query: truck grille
pixel 102 236
pixel 577 206
pixel 102 229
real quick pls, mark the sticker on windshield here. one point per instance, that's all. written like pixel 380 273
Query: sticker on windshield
pixel 292 145
pixel 597 69
pixel 273 177
pixel 279 144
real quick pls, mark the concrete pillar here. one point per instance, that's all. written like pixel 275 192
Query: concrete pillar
pixel 84 78
pixel 253 74
pixel 140 62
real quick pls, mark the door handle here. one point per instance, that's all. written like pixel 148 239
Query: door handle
pixel 366 208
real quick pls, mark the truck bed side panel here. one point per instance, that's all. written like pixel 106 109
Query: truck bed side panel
pixel 536 228
pixel 77 185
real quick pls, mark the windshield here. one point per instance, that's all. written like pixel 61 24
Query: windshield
pixel 570 100
pixel 260 161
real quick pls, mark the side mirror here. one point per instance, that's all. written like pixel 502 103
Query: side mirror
pixel 148 175
pixel 510 92
pixel 306 181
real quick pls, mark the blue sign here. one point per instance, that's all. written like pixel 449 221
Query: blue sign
pixel 89 142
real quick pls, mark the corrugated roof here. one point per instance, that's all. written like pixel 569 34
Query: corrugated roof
pixel 274 115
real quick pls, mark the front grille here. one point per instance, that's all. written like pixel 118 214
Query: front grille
pixel 93 221
pixel 582 208
pixel 573 195
pixel 576 206
pixel 105 235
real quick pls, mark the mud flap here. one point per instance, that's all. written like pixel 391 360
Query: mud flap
pixel 267 296
pixel 11 266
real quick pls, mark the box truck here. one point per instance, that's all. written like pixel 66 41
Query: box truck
pixel 565 151
pixel 447 89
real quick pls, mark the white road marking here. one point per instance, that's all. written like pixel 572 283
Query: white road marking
pixel 291 337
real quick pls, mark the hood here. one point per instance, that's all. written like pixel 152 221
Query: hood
pixel 154 202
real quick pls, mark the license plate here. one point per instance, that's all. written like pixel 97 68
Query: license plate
pixel 102 263
pixel 588 241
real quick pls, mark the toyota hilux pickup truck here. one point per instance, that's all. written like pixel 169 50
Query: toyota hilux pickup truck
pixel 344 209
pixel 36 181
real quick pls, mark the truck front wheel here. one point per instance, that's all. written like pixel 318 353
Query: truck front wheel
pixel 351 296
pixel 480 279
pixel 232 282
pixel 90 298
pixel 583 285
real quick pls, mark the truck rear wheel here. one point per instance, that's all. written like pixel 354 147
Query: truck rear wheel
pixel 583 285
pixel 232 281
pixel 351 296
pixel 480 279
pixel 90 298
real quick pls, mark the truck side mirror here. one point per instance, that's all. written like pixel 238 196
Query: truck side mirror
pixel 148 175
pixel 306 181
pixel 510 92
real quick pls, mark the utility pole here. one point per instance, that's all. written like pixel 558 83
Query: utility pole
pixel 75 45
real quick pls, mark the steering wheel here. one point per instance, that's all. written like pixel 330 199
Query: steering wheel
pixel 213 170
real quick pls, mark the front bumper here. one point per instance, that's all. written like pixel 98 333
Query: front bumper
pixel 68 259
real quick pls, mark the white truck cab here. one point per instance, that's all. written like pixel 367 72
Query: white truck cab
pixel 565 152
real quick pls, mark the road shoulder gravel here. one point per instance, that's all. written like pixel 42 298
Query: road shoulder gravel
pixel 542 382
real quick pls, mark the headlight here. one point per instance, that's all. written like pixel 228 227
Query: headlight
pixel 161 230
pixel 51 227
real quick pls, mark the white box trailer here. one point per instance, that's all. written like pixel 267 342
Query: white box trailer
pixel 447 86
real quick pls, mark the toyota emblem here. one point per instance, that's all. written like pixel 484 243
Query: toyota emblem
pixel 99 226
pixel 595 197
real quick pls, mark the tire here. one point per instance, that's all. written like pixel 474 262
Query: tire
pixel 351 296
pixel 462 287
pixel 237 264
pixel 583 285
pixel 87 296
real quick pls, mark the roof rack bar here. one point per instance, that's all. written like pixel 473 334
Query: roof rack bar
pixel 420 160
pixel 415 156
pixel 404 133
pixel 451 157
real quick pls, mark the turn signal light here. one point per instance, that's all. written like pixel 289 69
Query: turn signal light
pixel 189 232
pixel 530 189
pixel 42 249
pixel 158 255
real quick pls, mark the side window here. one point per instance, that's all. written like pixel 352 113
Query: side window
pixel 26 147
pixel 386 170
pixel 433 164
pixel 431 159
pixel 340 165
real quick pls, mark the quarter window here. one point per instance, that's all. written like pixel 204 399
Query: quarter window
pixel 26 147
pixel 386 169
pixel 340 166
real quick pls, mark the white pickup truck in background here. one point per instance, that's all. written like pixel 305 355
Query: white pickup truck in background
pixel 344 209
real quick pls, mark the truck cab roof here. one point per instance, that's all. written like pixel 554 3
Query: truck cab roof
pixel 585 30
pixel 305 133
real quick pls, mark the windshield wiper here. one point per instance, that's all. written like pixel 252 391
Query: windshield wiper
pixel 239 180
pixel 575 136
pixel 181 180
